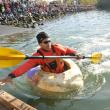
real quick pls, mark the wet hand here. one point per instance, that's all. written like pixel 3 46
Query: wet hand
pixel 79 56
pixel 6 80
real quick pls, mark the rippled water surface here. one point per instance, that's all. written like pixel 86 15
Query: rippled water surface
pixel 87 32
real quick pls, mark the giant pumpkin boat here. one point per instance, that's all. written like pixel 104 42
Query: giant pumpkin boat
pixel 70 80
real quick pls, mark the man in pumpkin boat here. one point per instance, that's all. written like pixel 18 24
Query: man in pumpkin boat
pixel 47 48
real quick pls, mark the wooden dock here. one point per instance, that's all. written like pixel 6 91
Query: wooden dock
pixel 9 102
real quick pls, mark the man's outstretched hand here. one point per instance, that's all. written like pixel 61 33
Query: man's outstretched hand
pixel 79 56
pixel 6 80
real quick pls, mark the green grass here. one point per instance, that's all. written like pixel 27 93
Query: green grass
pixel 88 2
pixel 85 2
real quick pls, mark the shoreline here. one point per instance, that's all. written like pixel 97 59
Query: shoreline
pixel 6 30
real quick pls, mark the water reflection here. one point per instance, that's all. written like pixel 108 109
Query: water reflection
pixel 15 39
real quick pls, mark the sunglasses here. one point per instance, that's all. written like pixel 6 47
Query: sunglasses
pixel 46 42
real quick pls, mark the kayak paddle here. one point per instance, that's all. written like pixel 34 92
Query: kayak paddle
pixel 11 57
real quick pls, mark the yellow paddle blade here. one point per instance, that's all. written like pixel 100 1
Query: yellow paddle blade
pixel 96 57
pixel 10 57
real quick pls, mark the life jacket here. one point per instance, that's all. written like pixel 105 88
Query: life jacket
pixel 55 65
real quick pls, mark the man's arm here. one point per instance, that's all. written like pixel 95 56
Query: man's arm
pixel 21 69
pixel 68 51
pixel 65 50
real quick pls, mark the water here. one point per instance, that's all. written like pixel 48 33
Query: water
pixel 87 32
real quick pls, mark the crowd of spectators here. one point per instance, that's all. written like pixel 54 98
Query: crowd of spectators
pixel 25 12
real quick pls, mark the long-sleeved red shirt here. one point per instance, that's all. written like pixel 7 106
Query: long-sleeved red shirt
pixel 59 50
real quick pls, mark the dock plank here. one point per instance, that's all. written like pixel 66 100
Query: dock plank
pixel 3 107
pixel 13 102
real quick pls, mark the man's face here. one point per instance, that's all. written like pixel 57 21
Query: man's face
pixel 46 44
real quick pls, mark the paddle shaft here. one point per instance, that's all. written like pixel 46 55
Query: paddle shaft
pixel 45 57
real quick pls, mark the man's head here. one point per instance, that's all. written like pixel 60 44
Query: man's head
pixel 44 40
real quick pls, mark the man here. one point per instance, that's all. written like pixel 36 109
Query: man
pixel 55 65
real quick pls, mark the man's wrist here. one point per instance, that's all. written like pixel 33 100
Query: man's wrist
pixel 11 75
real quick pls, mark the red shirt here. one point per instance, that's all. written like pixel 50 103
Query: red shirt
pixel 59 50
